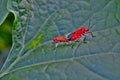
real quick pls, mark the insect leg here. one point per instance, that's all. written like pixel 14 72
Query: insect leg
pixel 84 40
pixel 90 33
pixel 55 46
pixel 78 40
pixel 72 46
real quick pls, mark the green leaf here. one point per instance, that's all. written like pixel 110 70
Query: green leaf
pixel 3 10
pixel 98 59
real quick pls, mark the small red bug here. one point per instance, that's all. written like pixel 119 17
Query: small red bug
pixel 78 33
pixel 59 39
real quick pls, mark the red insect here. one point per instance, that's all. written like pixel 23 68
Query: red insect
pixel 78 33
pixel 59 39
pixel 73 35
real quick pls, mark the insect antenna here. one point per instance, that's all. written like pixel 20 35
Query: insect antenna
pixel 91 25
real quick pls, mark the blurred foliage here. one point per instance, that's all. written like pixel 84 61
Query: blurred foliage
pixel 6 32
pixel 6 37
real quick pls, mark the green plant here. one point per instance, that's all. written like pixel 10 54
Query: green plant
pixel 96 60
